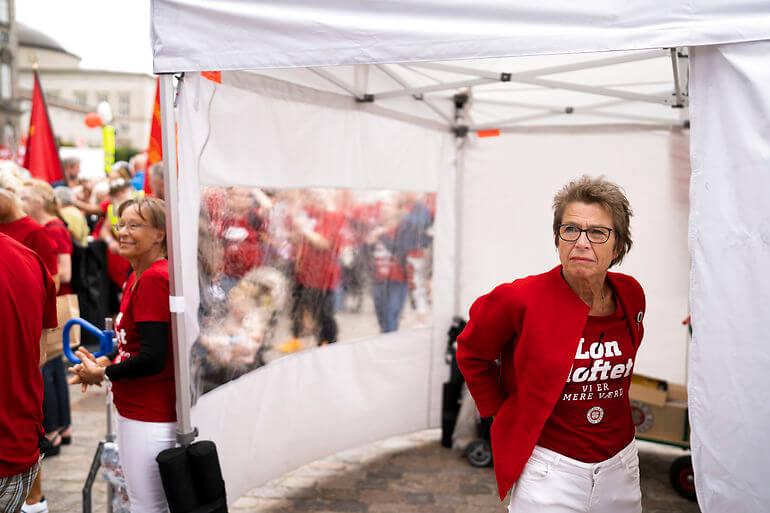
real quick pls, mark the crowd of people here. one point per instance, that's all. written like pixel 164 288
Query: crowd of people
pixel 303 256
pixel 67 253
pixel 275 267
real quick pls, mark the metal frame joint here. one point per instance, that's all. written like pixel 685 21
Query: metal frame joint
pixel 460 131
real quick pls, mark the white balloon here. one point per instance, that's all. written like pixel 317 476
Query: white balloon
pixel 105 112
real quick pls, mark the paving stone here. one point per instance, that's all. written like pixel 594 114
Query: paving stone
pixel 420 498
pixel 372 484
pixel 384 473
pixel 409 474
pixel 393 508
pixel 475 489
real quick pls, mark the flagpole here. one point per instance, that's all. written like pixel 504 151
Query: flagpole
pixel 185 433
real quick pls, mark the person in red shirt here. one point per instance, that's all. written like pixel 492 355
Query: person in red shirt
pixel 27 307
pixel 22 228
pixel 241 231
pixel 40 204
pixel 142 373
pixel 317 231
pixel 389 275
pixel 566 340
pixel 17 225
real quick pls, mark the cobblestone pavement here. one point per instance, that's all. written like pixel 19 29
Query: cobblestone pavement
pixel 406 474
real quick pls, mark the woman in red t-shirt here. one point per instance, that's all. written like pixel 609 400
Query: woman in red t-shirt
pixel 142 373
pixel 566 340
pixel 40 204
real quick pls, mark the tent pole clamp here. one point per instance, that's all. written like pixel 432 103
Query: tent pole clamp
pixel 460 131
pixel 185 439
pixel 366 98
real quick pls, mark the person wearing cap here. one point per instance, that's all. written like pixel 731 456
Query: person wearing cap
pixel 566 342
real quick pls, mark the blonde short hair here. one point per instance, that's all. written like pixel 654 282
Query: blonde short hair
pixel 47 194
pixel 152 210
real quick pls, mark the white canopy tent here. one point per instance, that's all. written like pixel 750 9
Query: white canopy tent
pixel 280 117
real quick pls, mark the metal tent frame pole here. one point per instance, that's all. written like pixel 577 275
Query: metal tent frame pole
pixel 185 432
pixel 461 102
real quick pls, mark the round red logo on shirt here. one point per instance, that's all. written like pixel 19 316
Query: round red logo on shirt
pixel 595 415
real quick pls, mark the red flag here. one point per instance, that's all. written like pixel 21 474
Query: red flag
pixel 41 156
pixel 155 146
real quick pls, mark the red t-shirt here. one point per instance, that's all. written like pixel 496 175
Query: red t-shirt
pixel 27 305
pixel 319 268
pixel 149 398
pixel 243 250
pixel 387 265
pixel 103 206
pixel 58 232
pixel 592 420
pixel 35 237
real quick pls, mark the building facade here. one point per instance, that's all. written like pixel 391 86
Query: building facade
pixel 9 105
pixel 72 92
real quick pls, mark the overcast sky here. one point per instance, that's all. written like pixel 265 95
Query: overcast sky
pixel 106 34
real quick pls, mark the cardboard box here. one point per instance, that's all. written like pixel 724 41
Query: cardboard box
pixel 659 410
pixel 662 423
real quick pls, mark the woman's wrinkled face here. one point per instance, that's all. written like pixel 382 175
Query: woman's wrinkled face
pixel 583 258
pixel 136 237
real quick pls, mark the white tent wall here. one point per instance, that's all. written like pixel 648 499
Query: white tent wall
pixel 311 404
pixel 508 187
pixel 730 245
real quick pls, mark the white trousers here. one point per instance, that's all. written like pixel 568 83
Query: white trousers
pixel 553 483
pixel 139 443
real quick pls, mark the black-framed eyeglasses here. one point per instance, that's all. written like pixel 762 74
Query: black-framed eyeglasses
pixel 595 234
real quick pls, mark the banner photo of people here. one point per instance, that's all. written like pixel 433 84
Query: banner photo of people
pixel 290 270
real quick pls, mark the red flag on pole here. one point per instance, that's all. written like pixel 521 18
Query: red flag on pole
pixel 155 146
pixel 41 155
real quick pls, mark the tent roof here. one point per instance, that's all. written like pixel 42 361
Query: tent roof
pixel 199 35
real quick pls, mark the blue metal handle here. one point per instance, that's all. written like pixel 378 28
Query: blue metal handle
pixel 105 337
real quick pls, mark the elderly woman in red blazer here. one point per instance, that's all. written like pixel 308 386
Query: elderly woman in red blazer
pixel 566 342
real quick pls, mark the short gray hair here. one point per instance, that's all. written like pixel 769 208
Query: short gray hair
pixel 157 170
pixel 65 195
pixel 70 161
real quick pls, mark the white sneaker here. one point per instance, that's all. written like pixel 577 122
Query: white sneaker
pixel 38 507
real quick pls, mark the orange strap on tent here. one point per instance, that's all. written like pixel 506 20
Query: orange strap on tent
pixel 214 76
pixel 491 132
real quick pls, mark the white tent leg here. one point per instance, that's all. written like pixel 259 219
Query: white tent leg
pixel 185 432
pixel 459 176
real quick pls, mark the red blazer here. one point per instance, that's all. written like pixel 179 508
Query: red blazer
pixel 533 325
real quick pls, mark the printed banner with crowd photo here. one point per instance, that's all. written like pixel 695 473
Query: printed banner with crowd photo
pixel 289 270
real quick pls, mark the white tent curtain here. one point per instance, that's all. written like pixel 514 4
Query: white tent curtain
pixel 730 286
pixel 311 404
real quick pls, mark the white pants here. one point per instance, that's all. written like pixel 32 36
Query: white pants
pixel 553 483
pixel 139 443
